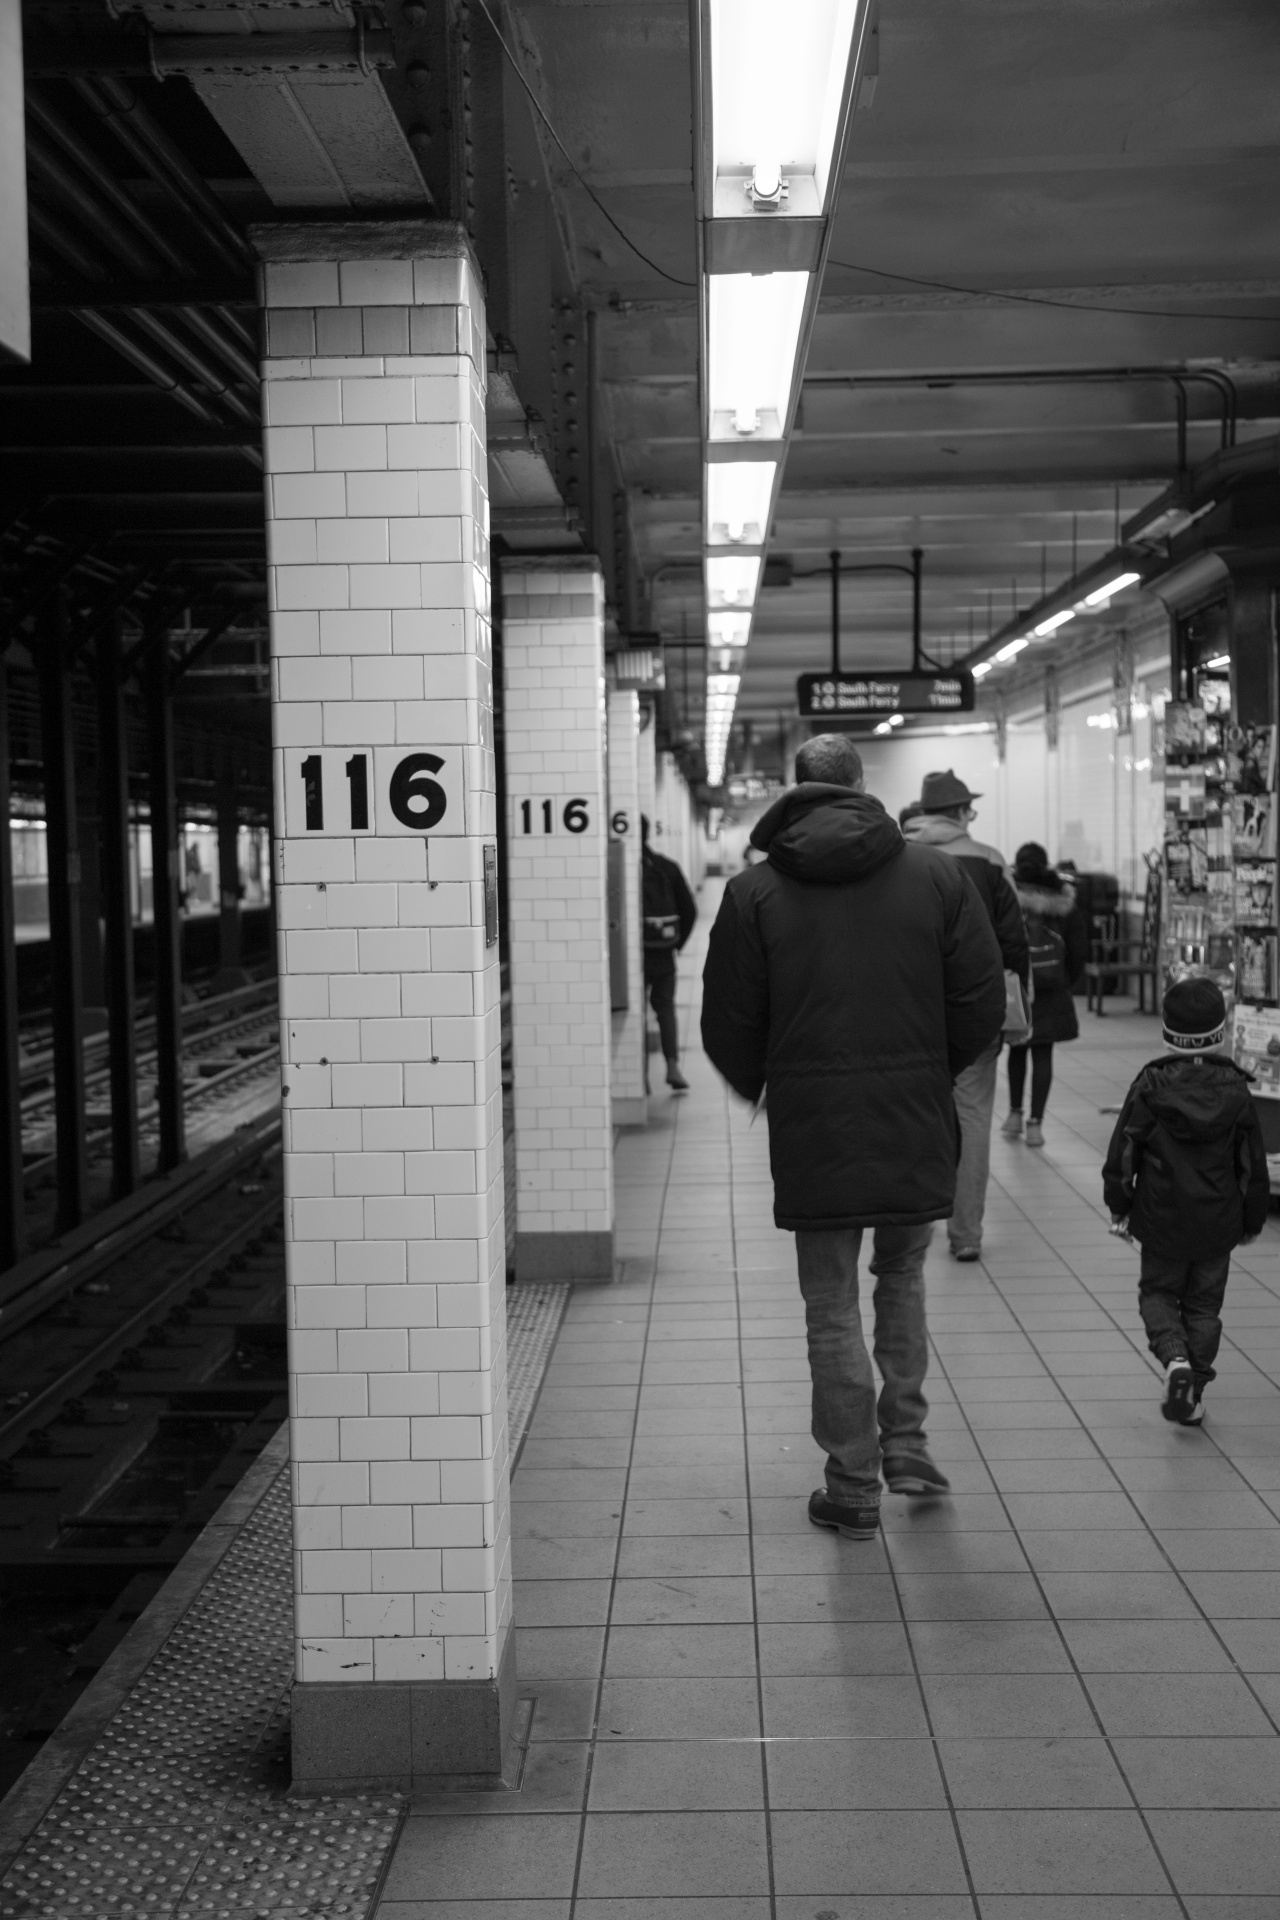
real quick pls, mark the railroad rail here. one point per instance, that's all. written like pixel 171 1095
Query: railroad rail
pixel 142 1368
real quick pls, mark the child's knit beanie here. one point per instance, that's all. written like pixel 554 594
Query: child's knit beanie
pixel 1195 1016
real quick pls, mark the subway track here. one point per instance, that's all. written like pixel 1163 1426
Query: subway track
pixel 142 1369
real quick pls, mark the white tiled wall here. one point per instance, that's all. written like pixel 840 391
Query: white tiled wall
pixel 553 662
pixel 624 805
pixel 378 528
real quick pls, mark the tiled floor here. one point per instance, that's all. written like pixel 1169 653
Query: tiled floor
pixel 1054 1696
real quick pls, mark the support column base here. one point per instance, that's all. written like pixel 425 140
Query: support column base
pixel 632 1111
pixel 398 1736
pixel 564 1256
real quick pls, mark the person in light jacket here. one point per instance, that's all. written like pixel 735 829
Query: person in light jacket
pixel 945 812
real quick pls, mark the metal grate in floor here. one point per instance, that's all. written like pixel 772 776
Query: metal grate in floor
pixel 180 1808
pixel 534 1314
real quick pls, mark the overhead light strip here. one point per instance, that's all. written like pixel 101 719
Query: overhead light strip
pixel 773 100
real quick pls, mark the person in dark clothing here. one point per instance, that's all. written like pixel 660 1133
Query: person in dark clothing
pixel 669 915
pixel 1059 944
pixel 1186 1177
pixel 855 975
pixel 944 813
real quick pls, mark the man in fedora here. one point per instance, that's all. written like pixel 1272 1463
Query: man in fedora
pixel 946 810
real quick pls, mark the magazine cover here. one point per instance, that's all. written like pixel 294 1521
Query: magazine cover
pixel 1184 793
pixel 1256 969
pixel 1255 1046
pixel 1187 862
pixel 1255 893
pixel 1251 759
pixel 1184 730
pixel 1254 826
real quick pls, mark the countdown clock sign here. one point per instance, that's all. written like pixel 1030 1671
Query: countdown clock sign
pixel 338 792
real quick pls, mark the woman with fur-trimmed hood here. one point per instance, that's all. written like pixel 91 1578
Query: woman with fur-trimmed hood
pixel 1059 941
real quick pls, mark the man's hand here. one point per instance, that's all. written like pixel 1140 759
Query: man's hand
pixel 1120 1227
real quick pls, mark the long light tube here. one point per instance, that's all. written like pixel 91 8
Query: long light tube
pixel 1051 625
pixel 777 84
pixel 752 344
pixel 1099 594
pixel 1014 647
pixel 738 496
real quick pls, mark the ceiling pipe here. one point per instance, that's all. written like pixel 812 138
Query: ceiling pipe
pixel 1219 383
pixel 117 105
pixel 52 123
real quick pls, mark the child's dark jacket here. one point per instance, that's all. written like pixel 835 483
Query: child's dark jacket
pixel 1187 1162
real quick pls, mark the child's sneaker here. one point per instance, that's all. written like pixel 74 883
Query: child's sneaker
pixel 1179 1394
pixel 1035 1134
pixel 1012 1128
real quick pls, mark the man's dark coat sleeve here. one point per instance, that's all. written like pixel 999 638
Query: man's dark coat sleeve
pixel 1120 1169
pixel 1011 930
pixel 973 976
pixel 686 905
pixel 1257 1195
pixel 735 999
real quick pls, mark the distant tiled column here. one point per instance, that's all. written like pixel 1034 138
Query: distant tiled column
pixel 630 1102
pixel 554 714
pixel 373 395
pixel 647 764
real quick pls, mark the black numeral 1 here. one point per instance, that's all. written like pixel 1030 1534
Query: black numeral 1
pixel 546 816
pixel 358 777
pixel 526 815
pixel 313 787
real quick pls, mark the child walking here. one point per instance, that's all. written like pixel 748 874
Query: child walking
pixel 1186 1177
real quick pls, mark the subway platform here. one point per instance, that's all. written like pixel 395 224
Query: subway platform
pixel 1053 1696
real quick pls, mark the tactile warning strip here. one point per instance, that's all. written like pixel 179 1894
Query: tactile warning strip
pixel 534 1314
pixel 180 1809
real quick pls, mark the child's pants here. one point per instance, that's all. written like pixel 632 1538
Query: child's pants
pixel 1180 1302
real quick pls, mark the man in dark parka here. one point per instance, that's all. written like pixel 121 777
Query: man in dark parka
pixel 856 975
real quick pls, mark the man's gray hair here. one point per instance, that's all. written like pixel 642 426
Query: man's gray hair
pixel 831 758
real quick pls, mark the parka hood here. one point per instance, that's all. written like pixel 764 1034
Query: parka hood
pixel 1049 904
pixel 1196 1099
pixel 826 834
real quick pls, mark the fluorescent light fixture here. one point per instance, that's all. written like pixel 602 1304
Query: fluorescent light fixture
pixel 738 496
pixel 1014 647
pixel 754 323
pixel 1121 581
pixel 1050 625
pixel 883 727
pixel 732 582
pixel 777 85
pixel 1220 660
pixel 983 666
pixel 728 629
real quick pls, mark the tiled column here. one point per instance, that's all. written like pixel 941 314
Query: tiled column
pixel 553 663
pixel 373 393
pixel 630 1102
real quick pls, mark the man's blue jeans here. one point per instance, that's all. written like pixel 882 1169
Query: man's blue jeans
pixel 848 1424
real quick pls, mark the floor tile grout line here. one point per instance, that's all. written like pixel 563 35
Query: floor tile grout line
pixel 1144 1523
pixel 727 1113
pixel 1081 1681
pixel 617 1555
pixel 933 1738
